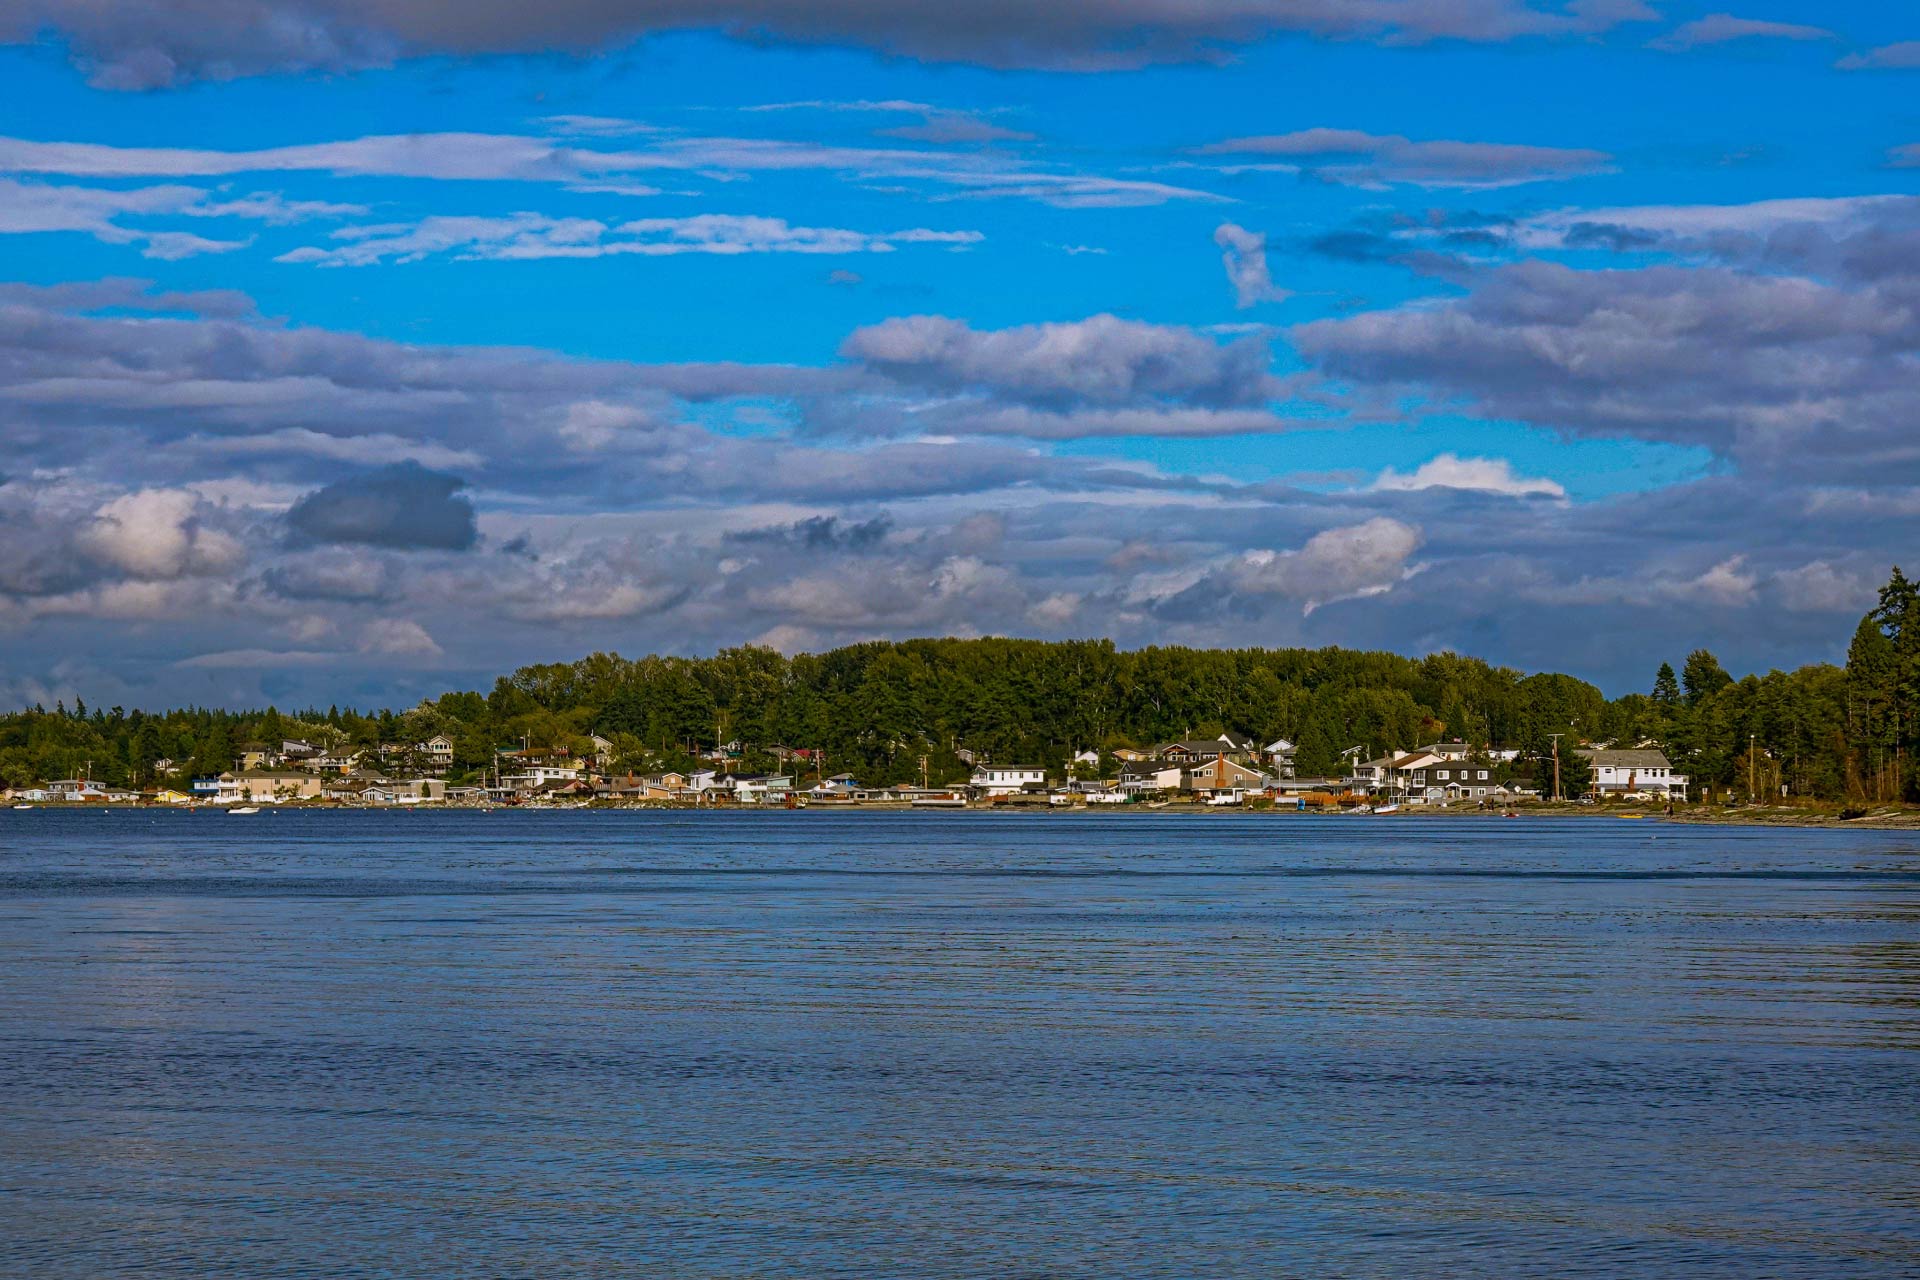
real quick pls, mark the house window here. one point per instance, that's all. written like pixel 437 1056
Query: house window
pixel 1443 775
pixel 1483 775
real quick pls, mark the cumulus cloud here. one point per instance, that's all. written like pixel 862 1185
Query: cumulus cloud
pixel 819 533
pixel 1483 475
pixel 159 533
pixel 1723 28
pixel 334 573
pixel 397 638
pixel 1244 254
pixel 1100 361
pixel 689 506
pixel 404 506
pixel 1335 564
pixel 1778 371
pixel 130 45
pixel 1822 587
pixel 1355 158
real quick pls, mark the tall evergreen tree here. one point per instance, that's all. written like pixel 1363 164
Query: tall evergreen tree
pixel 1703 676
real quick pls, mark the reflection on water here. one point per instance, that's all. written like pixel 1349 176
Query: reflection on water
pixel 547 1044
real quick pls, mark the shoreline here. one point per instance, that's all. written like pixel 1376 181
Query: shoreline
pixel 1877 818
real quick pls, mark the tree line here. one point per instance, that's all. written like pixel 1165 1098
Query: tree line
pixel 885 711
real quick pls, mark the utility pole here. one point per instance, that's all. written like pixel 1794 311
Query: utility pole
pixel 1556 766
pixel 1750 768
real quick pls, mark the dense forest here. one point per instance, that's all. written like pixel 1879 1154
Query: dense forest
pixel 879 710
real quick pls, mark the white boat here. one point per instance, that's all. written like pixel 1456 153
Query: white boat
pixel 246 808
pixel 23 806
pixel 1388 808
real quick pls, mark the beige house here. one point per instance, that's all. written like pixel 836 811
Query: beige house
pixel 267 786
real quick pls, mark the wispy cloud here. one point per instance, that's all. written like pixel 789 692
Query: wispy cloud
pixel 1904 56
pixel 1353 157
pixel 526 236
pixel 1724 28
pixel 111 215
pixel 517 158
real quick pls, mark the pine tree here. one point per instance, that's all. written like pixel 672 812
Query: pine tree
pixel 1703 676
pixel 1666 687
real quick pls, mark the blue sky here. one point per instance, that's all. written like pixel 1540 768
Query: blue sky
pixel 357 348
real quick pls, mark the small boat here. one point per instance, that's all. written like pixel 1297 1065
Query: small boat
pixel 1388 808
pixel 246 808
pixel 23 806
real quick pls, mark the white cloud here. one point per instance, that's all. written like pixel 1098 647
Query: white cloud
pixel 158 534
pixel 28 207
pixel 1244 254
pixel 1821 587
pixel 1335 564
pixel 1482 475
pixel 525 236
pixel 1728 583
pixel 397 638
pixel 519 158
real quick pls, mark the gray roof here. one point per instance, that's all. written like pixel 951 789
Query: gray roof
pixel 1626 759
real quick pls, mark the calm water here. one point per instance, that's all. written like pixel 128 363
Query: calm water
pixel 949 1044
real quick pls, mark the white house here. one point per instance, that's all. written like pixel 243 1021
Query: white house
pixel 755 790
pixel 1622 772
pixel 1145 778
pixel 439 753
pixel 1006 780
pixel 534 776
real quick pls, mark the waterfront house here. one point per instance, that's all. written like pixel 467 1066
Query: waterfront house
pixel 268 786
pixel 1279 757
pixel 1190 751
pixel 532 776
pixel 1006 780
pixel 341 762
pixel 1147 778
pixel 1424 777
pixel 410 792
pixel 75 791
pixel 1220 775
pixel 438 753
pixel 1634 772
pixel 761 790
